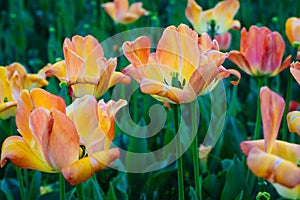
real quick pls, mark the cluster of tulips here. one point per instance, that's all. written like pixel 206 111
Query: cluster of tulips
pixel 74 137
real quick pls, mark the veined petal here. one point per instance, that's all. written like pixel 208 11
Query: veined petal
pixel 174 95
pixel 33 81
pixel 58 70
pixel 178 49
pixel 274 47
pixel 118 77
pixel 273 168
pixel 20 154
pixel 272 107
pixel 240 60
pixel 295 70
pixel 84 168
pixel 61 142
pixel 138 51
pixel 293 121
pixel 121 7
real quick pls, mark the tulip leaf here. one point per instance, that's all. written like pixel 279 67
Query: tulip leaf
pixel 120 186
pixel 213 185
pixel 111 193
pixel 11 188
pixel 49 196
pixel 192 194
pixel 35 184
pixel 92 189
pixel 235 181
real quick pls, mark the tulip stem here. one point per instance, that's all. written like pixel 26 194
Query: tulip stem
pixel 20 179
pixel 62 187
pixel 258 114
pixel 79 191
pixel 195 152
pixel 179 161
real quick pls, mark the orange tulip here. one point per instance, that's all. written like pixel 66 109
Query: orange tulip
pixel 85 69
pixel 295 70
pixel 120 11
pixel 13 79
pixel 222 14
pixel 51 142
pixel 272 159
pixel 183 66
pixel 261 52
pixel 292 29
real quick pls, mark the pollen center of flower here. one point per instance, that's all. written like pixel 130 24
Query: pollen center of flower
pixel 82 151
pixel 5 99
pixel 175 81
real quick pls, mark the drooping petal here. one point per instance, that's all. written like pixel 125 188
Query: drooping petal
pixel 84 168
pixel 20 154
pixel 177 49
pixel 293 121
pixel 61 143
pixel 193 13
pixel 110 9
pixel 273 168
pixel 272 107
pixel 295 70
pixel 58 70
pixel 175 95
pixel 240 60
pixel 138 51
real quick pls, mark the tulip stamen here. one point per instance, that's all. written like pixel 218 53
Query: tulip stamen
pixel 82 151
pixel 5 99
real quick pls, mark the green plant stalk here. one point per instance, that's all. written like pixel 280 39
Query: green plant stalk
pixel 258 114
pixel 195 153
pixel 179 161
pixel 288 98
pixel 62 194
pixel 79 191
pixel 20 179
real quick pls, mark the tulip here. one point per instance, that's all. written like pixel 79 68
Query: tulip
pixel 261 52
pixel 183 66
pixel 222 15
pixel 50 141
pixel 292 28
pixel 224 41
pixel 120 11
pixel 272 159
pixel 85 69
pixel 13 79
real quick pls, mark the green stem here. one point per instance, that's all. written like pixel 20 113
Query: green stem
pixel 195 152
pixel 79 191
pixel 258 114
pixel 62 187
pixel 212 29
pixel 20 179
pixel 179 161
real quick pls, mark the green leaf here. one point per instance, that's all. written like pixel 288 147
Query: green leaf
pixel 192 194
pixel 120 186
pixel 49 196
pixel 92 189
pixel 111 193
pixel 11 188
pixel 35 184
pixel 213 185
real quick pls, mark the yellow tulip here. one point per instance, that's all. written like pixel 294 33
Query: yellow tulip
pixel 120 11
pixel 13 79
pixel 51 142
pixel 85 69
pixel 222 14
pixel 272 159
pixel 183 66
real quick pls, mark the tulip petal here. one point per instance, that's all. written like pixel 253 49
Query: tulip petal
pixel 289 193
pixel 110 9
pixel 84 168
pixel 273 168
pixel 240 60
pixel 169 93
pixel 121 7
pixel 138 51
pixel 177 49
pixel 293 121
pixel 295 70
pixel 20 154
pixel 58 70
pixel 61 143
pixel 272 107
pixel 193 13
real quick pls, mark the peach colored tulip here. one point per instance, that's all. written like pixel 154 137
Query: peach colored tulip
pixel 272 159
pixel 223 14
pixel 85 69
pixel 224 40
pixel 51 142
pixel 120 11
pixel 292 29
pixel 13 79
pixel 261 52
pixel 295 70
pixel 183 66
